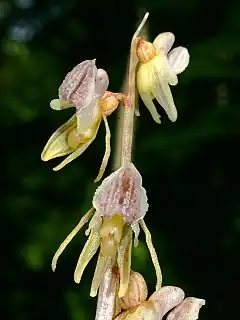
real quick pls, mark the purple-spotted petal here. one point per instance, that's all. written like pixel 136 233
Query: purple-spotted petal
pixel 122 193
pixel 178 59
pixel 79 84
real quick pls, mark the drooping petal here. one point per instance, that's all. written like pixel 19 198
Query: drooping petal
pixel 166 298
pixel 147 100
pixel 98 274
pixel 124 260
pixel 188 309
pixel 178 59
pixel 57 145
pixel 164 41
pixel 79 84
pixel 107 151
pixel 153 254
pixel 162 93
pixel 88 252
pixel 122 193
pixel 78 151
pixel 145 82
pixel 69 238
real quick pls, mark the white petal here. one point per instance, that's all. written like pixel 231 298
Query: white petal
pixel 178 59
pixel 164 41
pixel 164 97
pixel 146 98
pixel 162 67
pixel 102 82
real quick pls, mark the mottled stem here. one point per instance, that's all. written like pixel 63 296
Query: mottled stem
pixel 129 101
pixel 106 305
pixel 107 296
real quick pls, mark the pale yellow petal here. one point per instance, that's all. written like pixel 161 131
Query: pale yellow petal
pixel 87 253
pixel 59 104
pixel 57 144
pixel 124 260
pixel 153 254
pixel 164 41
pixel 98 274
pixel 162 93
pixel 78 151
pixel 147 100
pixel 88 116
pixel 69 238
pixel 107 151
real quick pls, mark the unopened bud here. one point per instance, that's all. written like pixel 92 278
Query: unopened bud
pixel 145 51
pixel 136 293
pixel 109 102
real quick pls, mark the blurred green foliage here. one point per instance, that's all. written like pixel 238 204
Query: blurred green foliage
pixel 190 168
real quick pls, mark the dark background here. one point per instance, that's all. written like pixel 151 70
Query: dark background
pixel 190 168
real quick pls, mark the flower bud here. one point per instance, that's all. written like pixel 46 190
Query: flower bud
pixel 136 292
pixel 109 103
pixel 145 51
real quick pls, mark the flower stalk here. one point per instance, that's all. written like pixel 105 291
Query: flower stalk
pixel 126 135
pixel 129 101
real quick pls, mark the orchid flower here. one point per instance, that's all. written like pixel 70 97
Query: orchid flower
pixel 157 68
pixel 120 204
pixel 85 89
